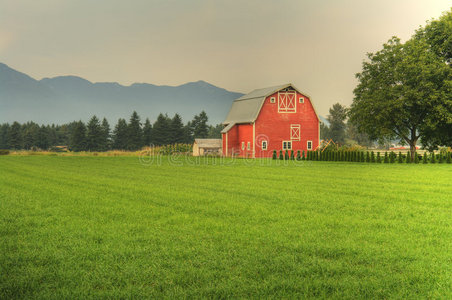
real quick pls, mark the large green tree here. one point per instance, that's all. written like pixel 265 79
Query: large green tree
pixel 15 136
pixel 176 129
pixel 161 130
pixel 200 127
pixel 399 88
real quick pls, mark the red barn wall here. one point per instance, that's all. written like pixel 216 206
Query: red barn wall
pixel 245 134
pixel 275 126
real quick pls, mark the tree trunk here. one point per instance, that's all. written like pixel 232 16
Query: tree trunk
pixel 412 143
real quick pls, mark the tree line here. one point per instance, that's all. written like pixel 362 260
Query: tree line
pixel 97 135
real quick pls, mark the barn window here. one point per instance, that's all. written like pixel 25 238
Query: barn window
pixel 264 145
pixel 272 100
pixel 287 102
pixel 295 132
pixel 287 145
pixel 248 146
pixel 243 145
pixel 309 145
pixel 301 100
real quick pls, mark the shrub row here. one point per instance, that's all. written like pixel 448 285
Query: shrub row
pixel 363 156
pixel 4 152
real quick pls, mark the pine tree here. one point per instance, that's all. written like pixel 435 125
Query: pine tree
pixel 303 157
pixel 367 156
pixel 105 141
pixel 78 138
pixel 176 129
pixel 433 159
pixel 135 133
pixel 4 128
pixel 274 156
pixel 15 137
pixel 425 158
pixel 400 160
pixel 120 134
pixel 200 128
pixel 93 135
pixel 43 138
pixel 281 156
pixel 160 131
pixel 378 157
pixel 386 159
pixel 286 155
pixel 147 133
pixel 372 157
pixel 298 155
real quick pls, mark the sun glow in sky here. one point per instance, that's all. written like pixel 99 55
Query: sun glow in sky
pixel 238 45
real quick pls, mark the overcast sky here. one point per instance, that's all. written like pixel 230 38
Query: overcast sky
pixel 238 45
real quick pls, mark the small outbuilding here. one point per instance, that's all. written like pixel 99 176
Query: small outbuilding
pixel 207 146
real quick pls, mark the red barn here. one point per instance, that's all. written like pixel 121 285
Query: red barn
pixel 274 118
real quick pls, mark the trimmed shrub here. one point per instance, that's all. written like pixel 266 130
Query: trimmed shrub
pixel 372 157
pixel 425 158
pixel 378 157
pixel 367 156
pixel 281 157
pixel 449 158
pixel 400 160
pixel 286 155
pixel 408 158
pixel 292 155
pixel 416 158
pixel 274 154
pixel 433 159
pixel 303 157
pixel 440 158
pixel 4 152
pixel 386 160
pixel 392 157
pixel 298 155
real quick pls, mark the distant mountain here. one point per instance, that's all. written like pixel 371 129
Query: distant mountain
pixel 67 98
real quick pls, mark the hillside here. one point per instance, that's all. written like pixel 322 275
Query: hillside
pixel 66 98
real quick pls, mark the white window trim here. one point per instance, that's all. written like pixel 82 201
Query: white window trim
pixel 285 110
pixel 266 145
pixel 292 127
pixel 243 145
pixel 289 145
pixel 248 146
pixel 272 100
pixel 307 145
pixel 301 100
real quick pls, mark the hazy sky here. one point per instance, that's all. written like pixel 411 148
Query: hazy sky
pixel 239 45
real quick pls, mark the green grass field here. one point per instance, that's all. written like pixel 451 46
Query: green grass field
pixel 88 227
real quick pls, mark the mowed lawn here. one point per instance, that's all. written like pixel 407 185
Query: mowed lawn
pixel 88 227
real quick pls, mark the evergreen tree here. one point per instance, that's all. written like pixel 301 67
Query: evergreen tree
pixel 449 158
pixel 416 158
pixel 30 135
pixel 281 157
pixel 400 160
pixel 286 155
pixel 147 133
pixel 392 157
pixel 378 157
pixel 292 155
pixel 43 138
pixel 176 130
pixel 372 157
pixel 433 159
pixel 161 134
pixel 135 137
pixel 78 138
pixel 304 156
pixel 93 135
pixel 298 155
pixel 425 158
pixel 408 158
pixel 120 135
pixel 105 142
pixel 274 156
pixel 4 128
pixel 367 156
pixel 440 158
pixel 15 136
pixel 386 159
pixel 200 128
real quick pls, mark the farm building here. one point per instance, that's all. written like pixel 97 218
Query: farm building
pixel 274 118
pixel 206 146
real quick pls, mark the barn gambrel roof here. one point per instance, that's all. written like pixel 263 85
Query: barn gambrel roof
pixel 246 108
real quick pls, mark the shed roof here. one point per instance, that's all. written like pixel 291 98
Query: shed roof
pixel 208 143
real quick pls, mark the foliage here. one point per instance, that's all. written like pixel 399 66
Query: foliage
pixel 4 152
pixel 433 159
pixel 78 139
pixel 274 156
pixel 120 135
pixel 336 118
